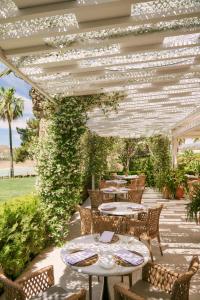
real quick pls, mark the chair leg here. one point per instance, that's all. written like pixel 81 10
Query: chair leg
pixel 122 278
pixel 158 237
pixel 150 250
pixel 130 280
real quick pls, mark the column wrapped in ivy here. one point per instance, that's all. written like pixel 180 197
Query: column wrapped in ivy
pixel 60 156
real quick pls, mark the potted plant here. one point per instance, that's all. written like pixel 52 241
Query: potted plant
pixel 169 185
pixel 193 208
pixel 181 183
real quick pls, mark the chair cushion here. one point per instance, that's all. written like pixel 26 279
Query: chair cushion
pixel 53 293
pixel 147 291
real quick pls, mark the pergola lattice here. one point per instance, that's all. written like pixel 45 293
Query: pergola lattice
pixel 148 49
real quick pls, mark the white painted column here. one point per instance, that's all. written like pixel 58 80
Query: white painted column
pixel 174 151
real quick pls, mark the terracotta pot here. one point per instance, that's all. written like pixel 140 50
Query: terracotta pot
pixel 180 192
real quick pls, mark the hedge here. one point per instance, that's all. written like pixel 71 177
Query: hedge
pixel 23 233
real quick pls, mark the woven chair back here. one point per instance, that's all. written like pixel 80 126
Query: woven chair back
pixel 153 221
pixel 135 196
pixel 86 219
pixel 133 184
pixel 102 184
pixel 141 180
pixel 107 223
pixel 96 198
pixel 180 289
pixel 12 290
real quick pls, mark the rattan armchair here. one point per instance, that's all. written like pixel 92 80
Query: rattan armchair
pixel 86 219
pixel 102 223
pixel 133 195
pixel 159 283
pixel 38 286
pixel 141 181
pixel 147 227
pixel 96 198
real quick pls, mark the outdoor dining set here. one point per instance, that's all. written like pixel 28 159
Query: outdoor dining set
pixel 112 238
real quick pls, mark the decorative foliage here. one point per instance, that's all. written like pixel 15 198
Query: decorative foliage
pixel 99 149
pixel 131 146
pixel 27 136
pixel 59 155
pixel 193 208
pixel 23 233
pixel 159 147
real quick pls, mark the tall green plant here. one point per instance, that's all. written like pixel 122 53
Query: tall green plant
pixel 159 147
pixel 11 108
pixel 99 149
pixel 193 208
pixel 59 155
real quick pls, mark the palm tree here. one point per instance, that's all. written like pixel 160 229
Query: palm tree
pixel 11 108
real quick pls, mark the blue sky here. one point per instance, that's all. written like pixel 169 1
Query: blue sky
pixel 22 90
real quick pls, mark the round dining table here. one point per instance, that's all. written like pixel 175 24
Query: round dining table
pixel 115 191
pixel 116 181
pixel 105 265
pixel 121 208
pixel 127 177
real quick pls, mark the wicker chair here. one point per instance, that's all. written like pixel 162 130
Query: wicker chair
pixel 38 286
pixel 133 184
pixel 141 180
pixel 135 196
pixel 96 198
pixel 86 219
pixel 147 227
pixel 108 223
pixel 159 283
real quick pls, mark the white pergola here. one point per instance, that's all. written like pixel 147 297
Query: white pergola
pixel 148 49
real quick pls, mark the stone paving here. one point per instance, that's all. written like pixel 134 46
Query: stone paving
pixel 180 240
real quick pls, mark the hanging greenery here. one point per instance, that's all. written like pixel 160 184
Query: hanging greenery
pixel 60 157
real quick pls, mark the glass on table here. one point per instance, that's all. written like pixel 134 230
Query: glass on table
pixel 96 237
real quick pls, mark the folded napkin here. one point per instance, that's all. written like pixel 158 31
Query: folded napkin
pixel 106 237
pixel 135 207
pixel 79 256
pixel 108 207
pixel 129 257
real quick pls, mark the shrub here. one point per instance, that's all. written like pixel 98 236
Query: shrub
pixel 193 208
pixel 23 233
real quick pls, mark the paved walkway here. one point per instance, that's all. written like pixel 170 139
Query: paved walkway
pixel 180 240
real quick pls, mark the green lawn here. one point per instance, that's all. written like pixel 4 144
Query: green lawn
pixel 10 188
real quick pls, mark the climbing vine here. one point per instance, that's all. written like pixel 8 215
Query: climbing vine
pixel 99 150
pixel 159 147
pixel 60 155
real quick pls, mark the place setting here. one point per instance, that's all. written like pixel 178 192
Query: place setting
pixel 119 208
pixel 98 252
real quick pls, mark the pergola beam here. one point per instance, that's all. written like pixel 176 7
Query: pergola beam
pixel 21 75
pixel 98 25
pixel 124 40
